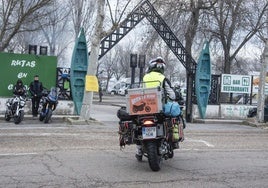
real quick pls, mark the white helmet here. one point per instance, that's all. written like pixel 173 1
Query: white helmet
pixel 158 64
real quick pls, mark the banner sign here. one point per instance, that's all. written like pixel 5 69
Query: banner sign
pixel 235 83
pixel 92 83
pixel 25 67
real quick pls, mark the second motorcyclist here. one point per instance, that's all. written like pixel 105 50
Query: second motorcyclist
pixel 19 89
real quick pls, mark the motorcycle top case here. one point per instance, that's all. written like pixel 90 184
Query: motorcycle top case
pixel 142 101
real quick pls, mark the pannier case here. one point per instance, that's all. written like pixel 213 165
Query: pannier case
pixel 141 101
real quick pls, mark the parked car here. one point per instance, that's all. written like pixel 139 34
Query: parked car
pixel 122 91
pixel 117 87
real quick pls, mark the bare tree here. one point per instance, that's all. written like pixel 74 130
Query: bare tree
pixel 234 23
pixel 56 31
pixel 82 15
pixel 16 14
pixel 107 64
pixel 98 34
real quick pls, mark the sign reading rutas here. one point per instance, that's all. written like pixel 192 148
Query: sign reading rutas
pixel 24 67
pixel 235 83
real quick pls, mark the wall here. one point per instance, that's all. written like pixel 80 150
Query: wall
pixel 25 67
pixel 224 111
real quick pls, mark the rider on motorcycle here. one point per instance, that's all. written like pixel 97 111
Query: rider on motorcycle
pixel 19 89
pixel 153 78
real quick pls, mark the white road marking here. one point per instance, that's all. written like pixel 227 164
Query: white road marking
pixel 39 134
pixel 29 128
pixel 16 154
pixel 201 141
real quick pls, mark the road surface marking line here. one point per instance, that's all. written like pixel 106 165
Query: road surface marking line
pixel 17 154
pixel 201 141
pixel 39 134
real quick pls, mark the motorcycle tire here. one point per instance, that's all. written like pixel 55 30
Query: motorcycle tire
pixel 48 116
pixel 17 119
pixel 7 116
pixel 153 158
pixel 41 117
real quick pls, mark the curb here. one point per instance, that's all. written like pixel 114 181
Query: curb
pixel 254 123
pixel 77 121
pixel 213 121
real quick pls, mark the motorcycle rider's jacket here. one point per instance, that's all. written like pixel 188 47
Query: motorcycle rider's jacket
pixel 19 90
pixel 36 88
pixel 155 79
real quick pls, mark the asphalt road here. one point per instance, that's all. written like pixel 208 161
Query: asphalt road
pixel 59 154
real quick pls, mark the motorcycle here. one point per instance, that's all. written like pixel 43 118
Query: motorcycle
pixel 156 134
pixel 15 109
pixel 48 104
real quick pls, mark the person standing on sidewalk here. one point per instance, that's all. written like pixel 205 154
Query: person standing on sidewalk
pixel 36 89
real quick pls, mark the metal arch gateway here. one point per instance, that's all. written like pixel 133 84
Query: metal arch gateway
pixel 146 10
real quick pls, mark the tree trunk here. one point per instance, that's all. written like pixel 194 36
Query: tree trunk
pixel 261 93
pixel 93 60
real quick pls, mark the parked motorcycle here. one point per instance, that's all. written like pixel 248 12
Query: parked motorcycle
pixel 15 108
pixel 157 135
pixel 48 103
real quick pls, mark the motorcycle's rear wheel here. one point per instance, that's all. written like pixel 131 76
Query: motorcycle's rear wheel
pixel 48 116
pixel 154 158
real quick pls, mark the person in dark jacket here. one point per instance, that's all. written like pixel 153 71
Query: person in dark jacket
pixel 36 89
pixel 19 89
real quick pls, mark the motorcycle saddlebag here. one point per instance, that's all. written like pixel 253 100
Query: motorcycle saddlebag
pixel 123 115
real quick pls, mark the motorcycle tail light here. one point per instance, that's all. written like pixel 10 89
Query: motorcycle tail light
pixel 148 123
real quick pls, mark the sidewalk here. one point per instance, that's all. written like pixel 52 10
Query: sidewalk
pixel 114 102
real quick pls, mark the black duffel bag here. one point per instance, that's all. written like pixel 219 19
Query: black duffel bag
pixel 123 115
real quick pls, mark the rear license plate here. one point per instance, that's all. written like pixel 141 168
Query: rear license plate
pixel 148 132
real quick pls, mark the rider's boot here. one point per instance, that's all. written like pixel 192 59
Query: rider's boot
pixel 138 153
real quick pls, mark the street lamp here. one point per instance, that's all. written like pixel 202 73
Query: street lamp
pixel 43 50
pixel 133 65
pixel 33 49
pixel 141 65
pixel 133 60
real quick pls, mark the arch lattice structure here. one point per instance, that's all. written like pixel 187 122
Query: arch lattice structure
pixel 146 10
